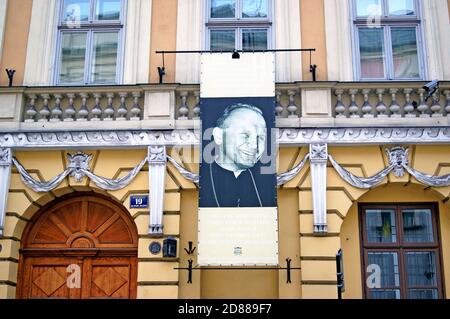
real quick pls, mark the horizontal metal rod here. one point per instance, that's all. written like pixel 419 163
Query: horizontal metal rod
pixel 232 51
pixel 236 268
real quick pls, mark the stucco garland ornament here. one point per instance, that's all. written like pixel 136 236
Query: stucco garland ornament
pixel 78 168
pixel 398 156
pixel 79 163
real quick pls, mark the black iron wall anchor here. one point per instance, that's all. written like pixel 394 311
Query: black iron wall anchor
pixel 190 268
pixel 162 71
pixel 313 69
pixel 10 74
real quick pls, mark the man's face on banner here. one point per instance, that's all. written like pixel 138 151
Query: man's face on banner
pixel 242 139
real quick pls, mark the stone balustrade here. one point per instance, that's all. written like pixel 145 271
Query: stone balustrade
pixel 394 102
pixel 82 106
pixel 171 106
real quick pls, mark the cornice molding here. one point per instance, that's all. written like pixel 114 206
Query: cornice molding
pixel 180 138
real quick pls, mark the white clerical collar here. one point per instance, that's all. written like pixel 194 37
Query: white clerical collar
pixel 236 173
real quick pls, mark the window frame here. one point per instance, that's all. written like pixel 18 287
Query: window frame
pixel 90 27
pixel 387 23
pixel 401 247
pixel 238 24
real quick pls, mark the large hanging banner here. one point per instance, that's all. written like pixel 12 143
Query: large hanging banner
pixel 237 203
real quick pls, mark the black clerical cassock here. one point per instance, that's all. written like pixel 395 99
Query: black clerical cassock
pixel 221 188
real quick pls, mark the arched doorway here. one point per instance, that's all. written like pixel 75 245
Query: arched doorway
pixel 80 246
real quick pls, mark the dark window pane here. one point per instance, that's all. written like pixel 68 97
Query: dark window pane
pixel 104 62
pixel 108 10
pixel 371 48
pixel 417 226
pixel 223 8
pixel 401 7
pixel 73 56
pixel 421 269
pixel 254 39
pixel 404 49
pixel 254 9
pixel 380 226
pixel 423 294
pixel 384 294
pixel 222 40
pixel 388 263
pixel 365 8
pixel 76 11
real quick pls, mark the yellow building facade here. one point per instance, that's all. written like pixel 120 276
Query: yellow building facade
pixel 360 122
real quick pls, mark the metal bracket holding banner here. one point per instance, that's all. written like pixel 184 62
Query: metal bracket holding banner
pixel 190 251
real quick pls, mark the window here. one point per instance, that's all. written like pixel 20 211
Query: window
pixel 90 33
pixel 239 24
pixel 388 40
pixel 401 246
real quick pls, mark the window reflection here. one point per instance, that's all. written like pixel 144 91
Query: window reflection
pixel 366 8
pixel 222 40
pixel 105 57
pixel 404 50
pixel 254 9
pixel 76 10
pixel 401 7
pixel 73 55
pixel 108 10
pixel 223 8
pixel 371 46
pixel 381 227
pixel 254 39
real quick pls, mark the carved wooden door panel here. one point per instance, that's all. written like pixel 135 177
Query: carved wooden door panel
pixel 47 278
pixel 90 231
pixel 109 278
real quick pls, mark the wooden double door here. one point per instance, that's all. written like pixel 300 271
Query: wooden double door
pixel 82 246
pixel 79 277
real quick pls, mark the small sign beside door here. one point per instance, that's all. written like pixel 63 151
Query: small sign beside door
pixel 139 201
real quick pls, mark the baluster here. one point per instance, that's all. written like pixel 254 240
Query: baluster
pixel 122 111
pixel 408 108
pixel 278 107
pixel 97 110
pixel 381 108
pixel 292 108
pixel 56 111
pixel 353 108
pixel 447 106
pixel 109 111
pixel 436 106
pixel 394 107
pixel 70 110
pixel 196 108
pixel 339 108
pixel 366 107
pixel 136 109
pixel 423 106
pixel 83 112
pixel 183 109
pixel 31 109
pixel 44 112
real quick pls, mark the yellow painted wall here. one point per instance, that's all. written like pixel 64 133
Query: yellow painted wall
pixel 239 284
pixel 18 17
pixel 163 37
pixel 157 277
pixel 392 193
pixel 312 24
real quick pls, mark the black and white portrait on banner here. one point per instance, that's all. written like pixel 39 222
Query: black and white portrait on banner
pixel 237 168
